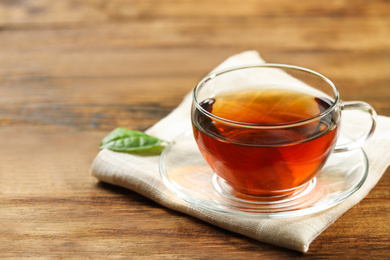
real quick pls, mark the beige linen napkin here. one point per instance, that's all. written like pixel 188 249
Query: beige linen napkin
pixel 141 174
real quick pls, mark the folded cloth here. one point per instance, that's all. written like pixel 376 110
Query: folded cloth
pixel 141 174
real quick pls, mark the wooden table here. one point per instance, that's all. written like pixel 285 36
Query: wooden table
pixel 71 71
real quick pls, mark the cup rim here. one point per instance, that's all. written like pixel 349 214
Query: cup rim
pixel 266 126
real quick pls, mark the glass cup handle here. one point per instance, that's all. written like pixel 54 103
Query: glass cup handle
pixel 358 105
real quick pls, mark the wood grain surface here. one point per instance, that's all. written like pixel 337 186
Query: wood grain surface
pixel 71 71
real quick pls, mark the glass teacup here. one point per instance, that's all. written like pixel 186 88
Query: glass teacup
pixel 267 130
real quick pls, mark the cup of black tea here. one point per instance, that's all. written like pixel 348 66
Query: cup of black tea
pixel 267 130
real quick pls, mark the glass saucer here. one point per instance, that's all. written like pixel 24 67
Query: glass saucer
pixel 186 173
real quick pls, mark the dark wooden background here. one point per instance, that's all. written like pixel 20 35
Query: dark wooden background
pixel 71 71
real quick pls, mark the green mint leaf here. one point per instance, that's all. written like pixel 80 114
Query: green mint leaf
pixel 126 140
